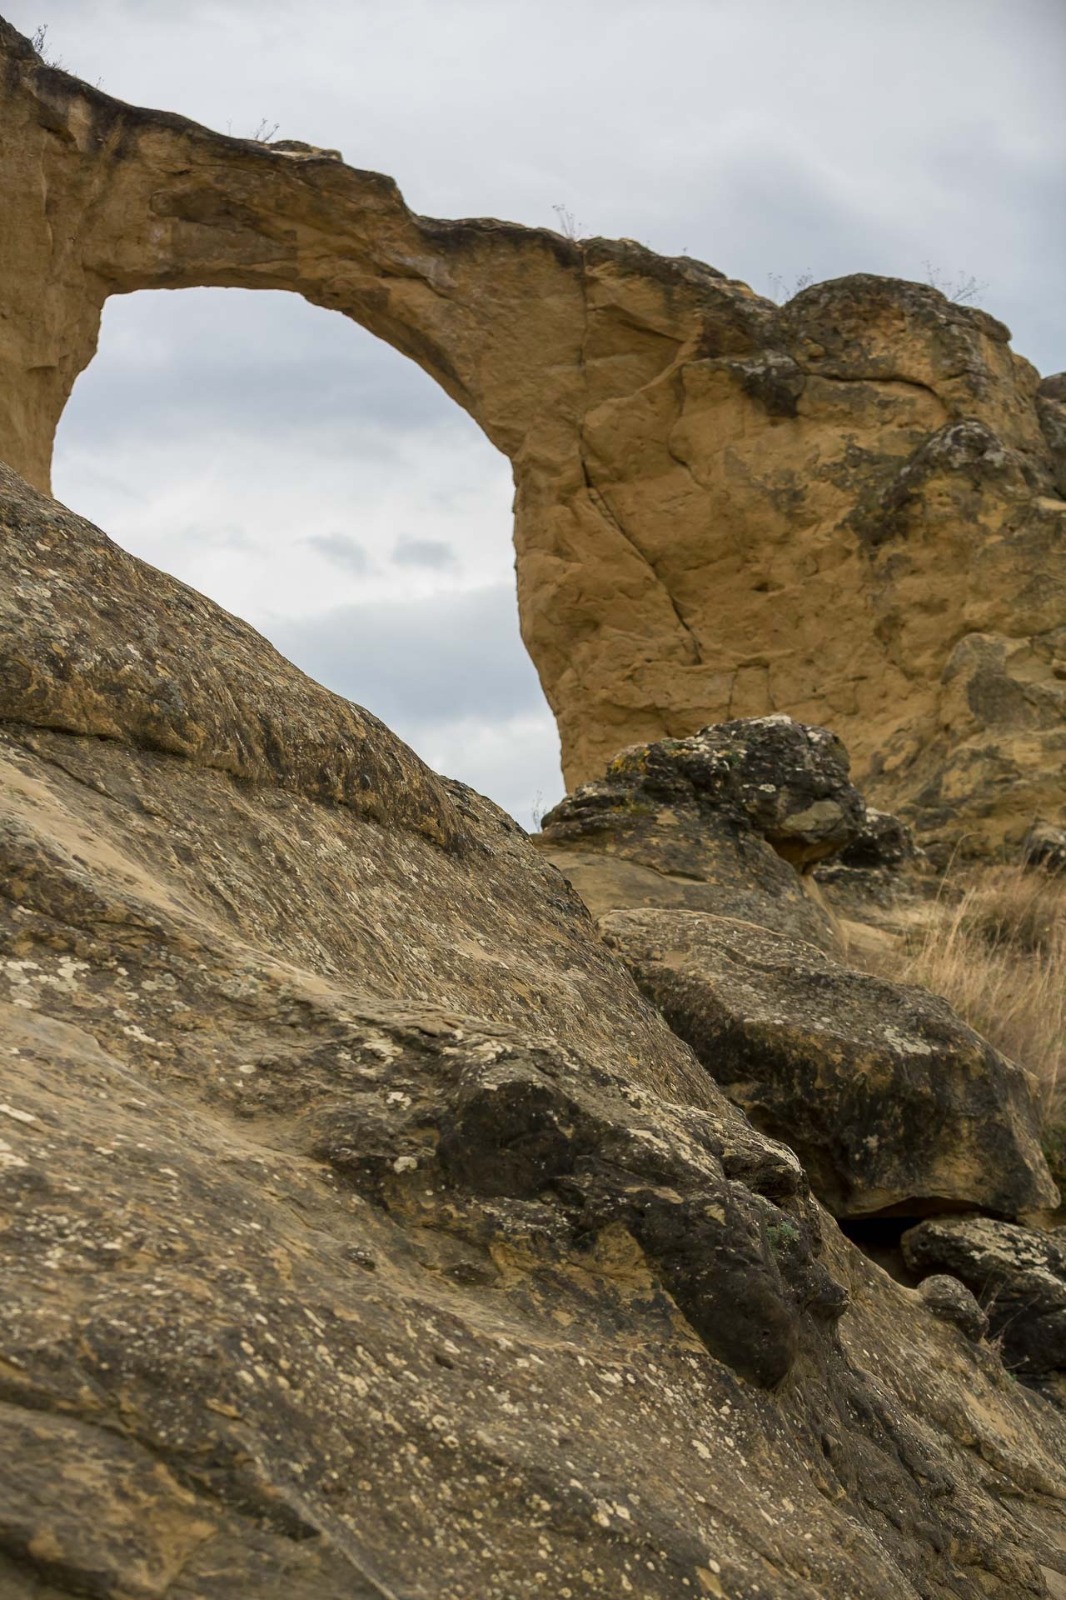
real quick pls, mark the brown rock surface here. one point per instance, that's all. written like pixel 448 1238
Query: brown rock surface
pixel 886 1095
pixel 365 1233
pixel 848 508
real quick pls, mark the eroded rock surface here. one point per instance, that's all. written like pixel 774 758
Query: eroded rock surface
pixel 849 508
pixel 365 1232
pixel 889 1099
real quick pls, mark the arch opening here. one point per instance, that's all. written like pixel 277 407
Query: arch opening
pixel 303 474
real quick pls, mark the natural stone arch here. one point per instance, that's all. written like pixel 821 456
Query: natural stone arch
pixel 846 508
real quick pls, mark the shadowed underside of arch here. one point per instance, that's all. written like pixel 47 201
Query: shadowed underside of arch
pixel 849 508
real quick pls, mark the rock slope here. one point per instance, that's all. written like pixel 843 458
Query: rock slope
pixel 365 1233
pixel 849 508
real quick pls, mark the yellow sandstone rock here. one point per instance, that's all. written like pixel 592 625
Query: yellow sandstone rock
pixel 848 508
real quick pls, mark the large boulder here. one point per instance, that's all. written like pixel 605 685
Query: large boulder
pixel 888 1098
pixel 786 782
pixel 366 1234
pixel 849 507
pixel 719 822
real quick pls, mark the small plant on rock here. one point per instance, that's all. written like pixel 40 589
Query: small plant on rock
pixel 782 290
pixel 963 289
pixel 569 226
pixel 39 41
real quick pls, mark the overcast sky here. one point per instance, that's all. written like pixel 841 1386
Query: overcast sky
pixel 312 480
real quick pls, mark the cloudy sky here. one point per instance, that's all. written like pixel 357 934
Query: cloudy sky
pixel 312 480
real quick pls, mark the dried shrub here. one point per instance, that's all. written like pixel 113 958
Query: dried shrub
pixel 995 947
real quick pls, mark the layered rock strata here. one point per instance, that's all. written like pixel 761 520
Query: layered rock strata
pixel 365 1232
pixel 849 508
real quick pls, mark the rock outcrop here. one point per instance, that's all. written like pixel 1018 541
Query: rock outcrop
pixel 365 1232
pixel 849 509
pixel 703 861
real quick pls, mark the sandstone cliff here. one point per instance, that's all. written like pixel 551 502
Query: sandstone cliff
pixel 849 508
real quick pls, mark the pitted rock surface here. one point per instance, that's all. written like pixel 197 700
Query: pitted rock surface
pixel 848 509
pixel 788 783
pixel 367 1235
pixel 886 1095
pixel 950 1300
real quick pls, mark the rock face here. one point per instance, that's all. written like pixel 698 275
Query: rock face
pixel 950 1300
pixel 366 1234
pixel 889 1099
pixel 849 508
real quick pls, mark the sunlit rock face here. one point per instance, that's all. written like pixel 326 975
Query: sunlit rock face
pixel 848 508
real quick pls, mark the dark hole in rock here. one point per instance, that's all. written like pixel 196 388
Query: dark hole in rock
pixel 879 1239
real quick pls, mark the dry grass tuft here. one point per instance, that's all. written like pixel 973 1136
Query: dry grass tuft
pixel 995 947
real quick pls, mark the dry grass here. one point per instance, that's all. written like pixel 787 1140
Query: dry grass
pixel 995 947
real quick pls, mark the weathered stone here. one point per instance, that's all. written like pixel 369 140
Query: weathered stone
pixel 849 508
pixel 951 1301
pixel 867 885
pixel 882 842
pixel 1045 847
pixel 887 1097
pixel 710 824
pixel 1051 409
pixel 105 650
pixel 366 1234
pixel 1053 387
pixel 1018 1273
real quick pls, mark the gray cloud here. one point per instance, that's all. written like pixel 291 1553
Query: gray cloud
pixel 191 361
pixel 416 662
pixel 342 550
pixel 450 676
pixel 433 554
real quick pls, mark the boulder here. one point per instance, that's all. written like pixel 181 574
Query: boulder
pixel 887 1097
pixel 784 781
pixel 1045 846
pixel 718 823
pixel 366 1233
pixel 1018 1274
pixel 951 1301
pixel 849 508
pixel 881 843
